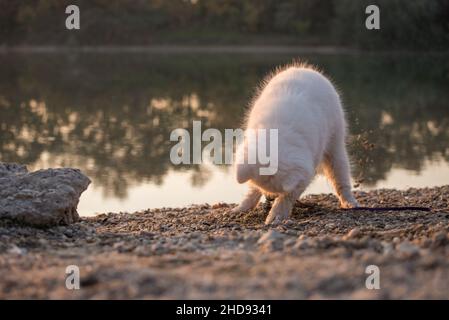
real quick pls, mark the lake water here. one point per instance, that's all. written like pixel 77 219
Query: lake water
pixel 111 116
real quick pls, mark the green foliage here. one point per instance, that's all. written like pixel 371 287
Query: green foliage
pixel 417 24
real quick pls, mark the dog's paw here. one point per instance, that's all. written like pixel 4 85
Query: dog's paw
pixel 275 219
pixel 349 204
pixel 239 209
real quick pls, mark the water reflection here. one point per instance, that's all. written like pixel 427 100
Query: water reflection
pixel 111 115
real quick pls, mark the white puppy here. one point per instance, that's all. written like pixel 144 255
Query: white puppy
pixel 306 110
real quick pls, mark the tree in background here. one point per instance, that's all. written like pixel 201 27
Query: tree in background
pixel 418 25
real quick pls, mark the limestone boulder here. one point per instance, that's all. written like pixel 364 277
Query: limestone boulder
pixel 42 198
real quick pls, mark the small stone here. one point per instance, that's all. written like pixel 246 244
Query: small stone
pixel 271 240
pixel 439 239
pixel 68 233
pixel 142 251
pixel 90 240
pixel 330 226
pixel 146 234
pixel 303 243
pixel 387 248
pixel 408 248
pixel 234 233
pixel 289 223
pixel 289 242
pixel 426 243
pixel 220 205
pixel 353 233
pixel 16 250
pixel 189 246
pixel 118 245
pixel 42 241
pixel 269 235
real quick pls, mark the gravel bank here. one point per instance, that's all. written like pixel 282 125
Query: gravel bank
pixel 203 252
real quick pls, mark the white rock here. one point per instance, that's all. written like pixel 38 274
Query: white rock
pixel 353 233
pixel 16 250
pixel 408 248
pixel 270 235
pixel 387 248
pixel 271 240
pixel 302 243
pixel 41 198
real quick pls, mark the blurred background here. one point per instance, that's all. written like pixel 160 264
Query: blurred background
pixel 416 25
pixel 110 112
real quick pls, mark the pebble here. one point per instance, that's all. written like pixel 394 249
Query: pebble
pixel 270 235
pixel 13 249
pixel 142 250
pixel 439 239
pixel 271 240
pixel 330 226
pixel 303 243
pixel 68 233
pixel 353 233
pixel 387 248
pixel 289 242
pixel 408 248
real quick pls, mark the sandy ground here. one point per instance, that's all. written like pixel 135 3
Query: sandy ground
pixel 206 252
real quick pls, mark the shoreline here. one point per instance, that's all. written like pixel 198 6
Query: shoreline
pixel 207 49
pixel 206 252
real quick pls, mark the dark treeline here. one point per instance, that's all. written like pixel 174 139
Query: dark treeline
pixel 405 24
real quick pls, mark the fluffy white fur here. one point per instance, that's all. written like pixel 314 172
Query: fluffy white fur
pixel 306 109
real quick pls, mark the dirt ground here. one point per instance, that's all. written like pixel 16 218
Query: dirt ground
pixel 206 252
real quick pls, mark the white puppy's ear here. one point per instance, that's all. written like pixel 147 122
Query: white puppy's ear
pixel 242 172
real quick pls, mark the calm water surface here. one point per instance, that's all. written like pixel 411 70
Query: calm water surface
pixel 111 116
